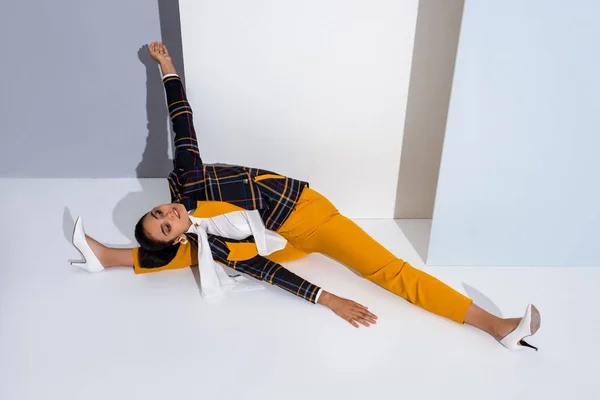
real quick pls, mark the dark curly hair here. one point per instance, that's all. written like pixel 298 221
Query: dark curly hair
pixel 153 253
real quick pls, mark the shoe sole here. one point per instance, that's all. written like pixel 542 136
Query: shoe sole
pixel 536 320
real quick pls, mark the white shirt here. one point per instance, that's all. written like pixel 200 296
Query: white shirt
pixel 240 225
pixel 233 225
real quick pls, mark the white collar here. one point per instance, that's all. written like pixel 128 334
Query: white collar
pixel 213 278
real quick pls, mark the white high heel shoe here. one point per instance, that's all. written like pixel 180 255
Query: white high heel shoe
pixel 528 326
pixel 91 263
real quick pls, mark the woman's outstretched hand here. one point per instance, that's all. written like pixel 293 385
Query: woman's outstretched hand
pixel 347 309
pixel 159 52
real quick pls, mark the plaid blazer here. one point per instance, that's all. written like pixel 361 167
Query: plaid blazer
pixel 191 180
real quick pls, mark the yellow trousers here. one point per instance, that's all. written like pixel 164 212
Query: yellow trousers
pixel 316 226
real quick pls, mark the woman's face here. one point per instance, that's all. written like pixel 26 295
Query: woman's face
pixel 167 222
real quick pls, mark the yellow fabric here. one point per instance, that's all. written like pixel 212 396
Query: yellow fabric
pixel 317 226
pixel 246 251
pixel 267 176
pixel 241 251
pixel 188 254
pixel 209 209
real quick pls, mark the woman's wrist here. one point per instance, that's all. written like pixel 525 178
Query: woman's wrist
pixel 167 67
pixel 325 298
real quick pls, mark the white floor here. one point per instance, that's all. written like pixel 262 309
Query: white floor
pixel 68 334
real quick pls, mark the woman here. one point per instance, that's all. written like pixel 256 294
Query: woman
pixel 306 219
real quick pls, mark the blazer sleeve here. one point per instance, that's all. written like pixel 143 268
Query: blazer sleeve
pixel 187 154
pixel 263 269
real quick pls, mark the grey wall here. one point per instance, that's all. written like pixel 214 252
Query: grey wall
pixel 80 98
pixel 436 41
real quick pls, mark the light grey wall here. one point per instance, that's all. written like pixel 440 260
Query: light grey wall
pixel 519 178
pixel 310 89
pixel 79 98
pixel 436 40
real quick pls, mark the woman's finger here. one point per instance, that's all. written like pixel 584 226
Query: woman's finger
pixel 368 313
pixel 351 320
pixel 365 311
pixel 362 318
pixel 369 317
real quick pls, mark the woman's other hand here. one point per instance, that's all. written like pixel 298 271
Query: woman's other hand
pixel 347 309
pixel 159 52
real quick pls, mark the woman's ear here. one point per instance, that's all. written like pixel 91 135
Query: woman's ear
pixel 182 240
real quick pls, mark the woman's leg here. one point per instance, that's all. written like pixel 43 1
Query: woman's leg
pixel 110 257
pixel 317 226
pixel 497 327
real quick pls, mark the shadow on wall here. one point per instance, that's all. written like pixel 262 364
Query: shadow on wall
pixel 155 157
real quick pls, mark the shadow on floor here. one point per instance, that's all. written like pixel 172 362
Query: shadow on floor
pixel 482 300
pixel 418 233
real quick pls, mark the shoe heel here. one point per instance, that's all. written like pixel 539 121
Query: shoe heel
pixel 91 263
pixel 529 325
pixel 525 344
pixel 78 263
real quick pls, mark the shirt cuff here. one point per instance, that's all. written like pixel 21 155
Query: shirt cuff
pixel 168 75
pixel 317 296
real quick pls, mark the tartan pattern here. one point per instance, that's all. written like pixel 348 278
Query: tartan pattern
pixel 281 196
pixel 263 269
pixel 191 181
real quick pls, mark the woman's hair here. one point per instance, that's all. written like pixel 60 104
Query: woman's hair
pixel 153 253
pixel 145 241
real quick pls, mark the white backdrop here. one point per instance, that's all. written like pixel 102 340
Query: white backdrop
pixel 314 89
pixel 519 178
